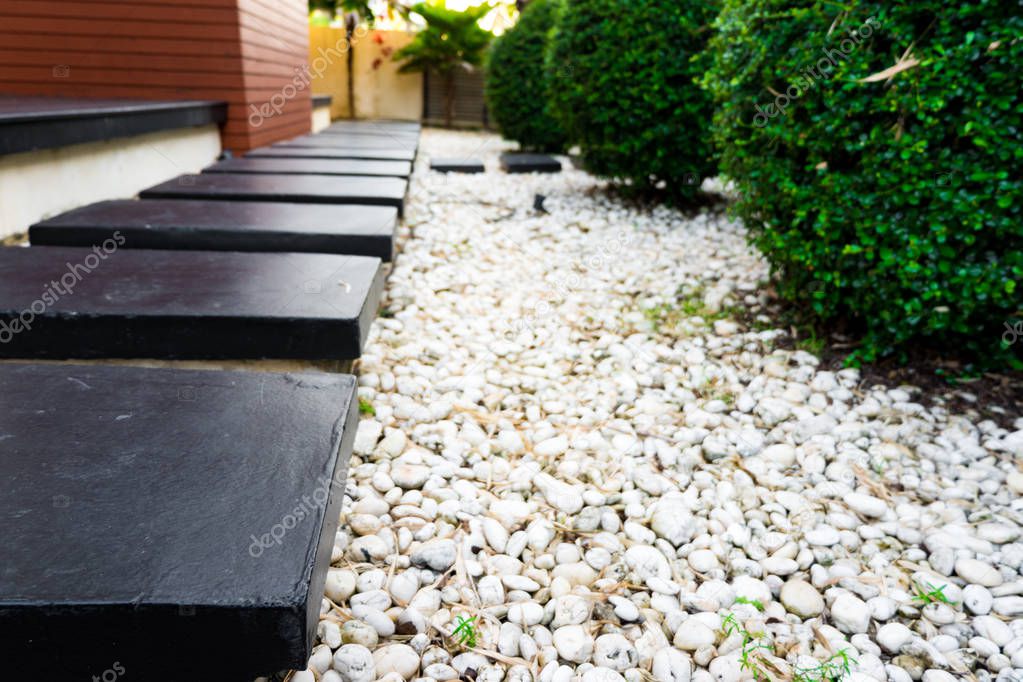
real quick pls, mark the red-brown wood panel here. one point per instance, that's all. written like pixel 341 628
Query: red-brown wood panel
pixel 210 13
pixel 121 45
pixel 150 62
pixel 249 53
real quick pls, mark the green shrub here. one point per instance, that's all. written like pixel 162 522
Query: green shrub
pixel 877 150
pixel 516 85
pixel 623 87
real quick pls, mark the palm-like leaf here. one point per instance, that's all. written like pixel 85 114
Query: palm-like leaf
pixel 450 40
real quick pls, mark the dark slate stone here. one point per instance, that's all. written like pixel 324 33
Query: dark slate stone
pixel 530 163
pixel 457 165
pixel 375 125
pixel 31 122
pixel 167 524
pixel 397 169
pixel 411 137
pixel 307 189
pixel 188 224
pixel 322 100
pixel 361 142
pixel 184 304
pixel 284 150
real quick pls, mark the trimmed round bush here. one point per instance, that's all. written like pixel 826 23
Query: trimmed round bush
pixel 515 83
pixel 877 151
pixel 623 86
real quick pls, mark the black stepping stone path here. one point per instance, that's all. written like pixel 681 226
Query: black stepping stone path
pixel 62 303
pixel 398 138
pixel 167 524
pixel 362 142
pixel 188 224
pixel 385 126
pixel 368 167
pixel 455 165
pixel 530 163
pixel 301 151
pixel 371 137
pixel 371 129
pixel 308 189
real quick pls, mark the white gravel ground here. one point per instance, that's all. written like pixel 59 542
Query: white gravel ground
pixel 575 445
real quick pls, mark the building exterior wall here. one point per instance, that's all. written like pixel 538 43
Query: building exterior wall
pixel 250 53
pixel 328 64
pixel 40 184
pixel 321 118
pixel 380 90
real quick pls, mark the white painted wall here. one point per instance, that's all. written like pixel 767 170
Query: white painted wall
pixel 321 118
pixel 380 91
pixel 41 184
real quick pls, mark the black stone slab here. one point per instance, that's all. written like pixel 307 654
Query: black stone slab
pixel 457 165
pixel 529 163
pixel 371 124
pixel 397 169
pixel 411 137
pixel 187 224
pixel 64 302
pixel 175 523
pixel 301 151
pixel 306 189
pixel 354 141
pixel 30 122
pixel 398 138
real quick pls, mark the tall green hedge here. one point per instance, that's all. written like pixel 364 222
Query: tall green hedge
pixel 516 85
pixel 623 75
pixel 877 150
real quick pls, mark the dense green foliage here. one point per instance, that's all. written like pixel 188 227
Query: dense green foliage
pixel 516 83
pixel 622 74
pixel 877 150
pixel 451 40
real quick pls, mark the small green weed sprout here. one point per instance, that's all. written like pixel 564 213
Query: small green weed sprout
pixel 834 669
pixel 755 603
pixel 932 596
pixel 465 631
pixel 752 646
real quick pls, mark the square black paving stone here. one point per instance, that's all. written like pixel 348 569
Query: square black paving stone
pixel 368 167
pixel 176 522
pixel 359 139
pixel 411 137
pixel 303 189
pixel 457 165
pixel 529 163
pixel 65 302
pixel 291 151
pixel 359 142
pixel 197 225
pixel 403 138
pixel 388 126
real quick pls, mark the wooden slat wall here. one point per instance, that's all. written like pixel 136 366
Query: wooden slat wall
pixel 470 109
pixel 248 53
